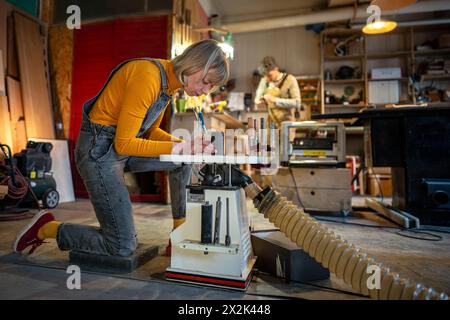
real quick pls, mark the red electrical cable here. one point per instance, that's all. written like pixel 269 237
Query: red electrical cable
pixel 20 190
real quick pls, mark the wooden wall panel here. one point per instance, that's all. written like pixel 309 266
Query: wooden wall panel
pixel 295 49
pixel 34 84
pixel 19 134
pixel 61 58
pixel 187 14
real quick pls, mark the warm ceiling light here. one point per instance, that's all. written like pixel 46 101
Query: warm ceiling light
pixel 379 27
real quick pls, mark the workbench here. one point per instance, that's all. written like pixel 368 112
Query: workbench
pixel 218 121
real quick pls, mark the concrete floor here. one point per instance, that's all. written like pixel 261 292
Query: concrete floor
pixel 43 274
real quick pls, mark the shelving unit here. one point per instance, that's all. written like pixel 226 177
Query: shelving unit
pixel 381 55
pixel 343 105
pixel 310 87
pixel 350 57
pixel 431 52
pixel 395 49
pixel 344 81
pixel 428 77
pixel 330 63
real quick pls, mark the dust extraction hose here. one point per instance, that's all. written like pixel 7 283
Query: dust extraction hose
pixel 347 262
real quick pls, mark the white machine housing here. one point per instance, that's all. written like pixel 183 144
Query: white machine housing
pixel 213 264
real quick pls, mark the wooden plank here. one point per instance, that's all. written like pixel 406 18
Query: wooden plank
pixel 2 75
pixel 12 67
pixel 230 121
pixel 18 130
pixel 4 11
pixel 34 84
pixel 5 127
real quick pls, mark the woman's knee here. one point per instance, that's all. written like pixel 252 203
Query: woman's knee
pixel 121 247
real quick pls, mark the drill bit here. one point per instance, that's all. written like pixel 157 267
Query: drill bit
pixel 227 236
pixel 217 221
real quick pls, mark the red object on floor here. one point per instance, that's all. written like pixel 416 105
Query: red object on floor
pixel 98 48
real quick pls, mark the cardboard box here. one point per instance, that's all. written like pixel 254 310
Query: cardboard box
pixel 279 256
pixel 386 73
pixel 377 181
pixel 384 92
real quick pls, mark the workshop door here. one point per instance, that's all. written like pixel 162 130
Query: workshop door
pixel 98 48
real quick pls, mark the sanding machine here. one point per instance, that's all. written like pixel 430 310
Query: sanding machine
pixel 213 246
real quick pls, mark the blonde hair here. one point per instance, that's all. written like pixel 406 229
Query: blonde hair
pixel 206 55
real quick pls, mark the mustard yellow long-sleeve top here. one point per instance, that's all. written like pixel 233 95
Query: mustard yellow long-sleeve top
pixel 125 101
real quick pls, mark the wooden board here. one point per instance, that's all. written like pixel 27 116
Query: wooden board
pixel 19 133
pixel 35 92
pixel 12 67
pixel 5 128
pixel 4 11
pixel 2 75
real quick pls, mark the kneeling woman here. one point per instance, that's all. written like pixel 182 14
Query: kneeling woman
pixel 120 132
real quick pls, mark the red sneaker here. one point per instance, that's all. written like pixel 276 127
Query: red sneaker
pixel 28 235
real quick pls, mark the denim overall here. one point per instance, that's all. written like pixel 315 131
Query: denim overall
pixel 102 170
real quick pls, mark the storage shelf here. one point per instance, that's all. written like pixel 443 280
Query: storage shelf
pixel 426 77
pixel 307 78
pixel 338 58
pixel 344 106
pixel 400 53
pixel 396 79
pixel 309 90
pixel 428 52
pixel 344 81
pixel 310 100
pixel 383 55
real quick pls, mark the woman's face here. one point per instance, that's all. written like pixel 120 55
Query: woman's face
pixel 273 75
pixel 195 85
